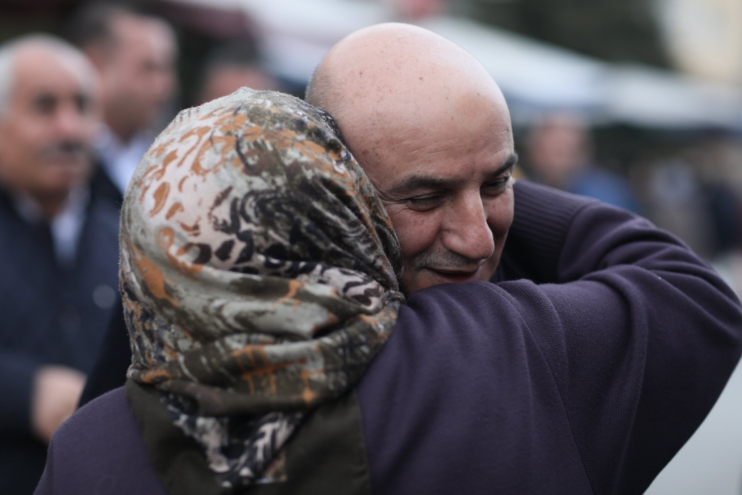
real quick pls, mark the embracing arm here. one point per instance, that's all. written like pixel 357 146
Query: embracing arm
pixel 640 335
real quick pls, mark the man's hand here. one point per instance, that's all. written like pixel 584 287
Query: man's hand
pixel 56 392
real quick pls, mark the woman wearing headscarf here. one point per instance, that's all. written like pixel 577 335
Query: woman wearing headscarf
pixel 256 285
pixel 272 352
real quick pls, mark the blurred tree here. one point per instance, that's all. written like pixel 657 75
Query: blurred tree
pixel 613 30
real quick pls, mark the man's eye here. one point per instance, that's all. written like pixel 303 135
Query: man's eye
pixel 45 105
pixel 424 203
pixel 82 103
pixel 497 185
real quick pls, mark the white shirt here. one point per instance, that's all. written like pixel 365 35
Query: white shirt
pixel 65 227
pixel 120 159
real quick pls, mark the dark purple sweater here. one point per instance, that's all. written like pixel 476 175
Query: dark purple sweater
pixel 588 382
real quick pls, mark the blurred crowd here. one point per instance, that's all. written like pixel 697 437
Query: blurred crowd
pixel 693 190
pixel 76 116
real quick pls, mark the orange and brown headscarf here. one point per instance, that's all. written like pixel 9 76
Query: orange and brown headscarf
pixel 259 274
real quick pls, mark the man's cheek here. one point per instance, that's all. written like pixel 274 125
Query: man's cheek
pixel 415 231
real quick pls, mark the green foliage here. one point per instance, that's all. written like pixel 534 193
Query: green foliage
pixel 613 30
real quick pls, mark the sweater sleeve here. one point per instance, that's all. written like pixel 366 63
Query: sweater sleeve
pixel 640 334
pixel 17 372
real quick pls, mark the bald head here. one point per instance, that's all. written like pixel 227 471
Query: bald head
pixel 399 74
pixel 425 120
pixel 386 62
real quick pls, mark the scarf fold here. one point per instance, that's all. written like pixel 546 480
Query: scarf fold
pixel 259 275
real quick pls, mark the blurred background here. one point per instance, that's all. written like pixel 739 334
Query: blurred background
pixel 635 102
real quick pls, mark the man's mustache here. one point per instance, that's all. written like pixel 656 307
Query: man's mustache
pixel 66 149
pixel 447 260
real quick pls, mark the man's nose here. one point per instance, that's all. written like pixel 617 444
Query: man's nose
pixel 70 122
pixel 466 231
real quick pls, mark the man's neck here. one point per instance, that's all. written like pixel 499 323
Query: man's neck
pixel 119 160
pixel 122 135
pixel 46 206
pixel 65 218
pixel 121 130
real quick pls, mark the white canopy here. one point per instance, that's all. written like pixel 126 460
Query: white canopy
pixel 534 76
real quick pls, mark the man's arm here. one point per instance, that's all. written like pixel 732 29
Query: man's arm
pixel 647 334
pixel 589 385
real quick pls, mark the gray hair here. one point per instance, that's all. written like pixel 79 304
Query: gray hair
pixel 318 88
pixel 10 49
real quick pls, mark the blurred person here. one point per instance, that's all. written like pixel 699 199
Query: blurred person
pixel 58 248
pixel 690 202
pixel 229 67
pixel 675 202
pixel 574 365
pixel 558 153
pixel 135 57
pixel 717 167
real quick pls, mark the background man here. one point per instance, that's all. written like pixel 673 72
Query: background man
pixel 231 66
pixel 58 248
pixel 135 56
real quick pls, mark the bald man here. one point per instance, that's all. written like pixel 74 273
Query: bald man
pixel 58 248
pixel 432 130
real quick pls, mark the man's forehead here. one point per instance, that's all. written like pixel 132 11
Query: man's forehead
pixel 142 33
pixel 406 181
pixel 419 108
pixel 49 76
pixel 439 128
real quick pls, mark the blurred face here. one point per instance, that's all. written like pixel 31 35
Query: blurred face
pixel 225 80
pixel 139 75
pixel 45 136
pixel 558 150
pixel 447 187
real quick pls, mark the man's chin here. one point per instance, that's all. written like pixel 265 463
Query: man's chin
pixel 60 187
pixel 61 172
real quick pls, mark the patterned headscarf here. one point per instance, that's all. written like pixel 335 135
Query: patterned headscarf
pixel 259 274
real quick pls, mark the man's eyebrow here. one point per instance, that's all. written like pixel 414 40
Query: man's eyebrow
pixel 508 164
pixel 417 182
pixel 44 97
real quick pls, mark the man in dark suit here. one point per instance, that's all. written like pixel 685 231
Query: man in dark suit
pixel 58 248
pixel 134 56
